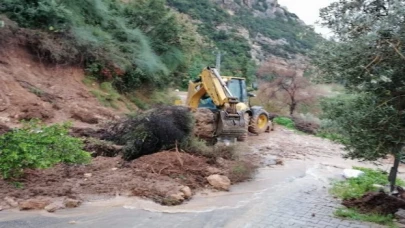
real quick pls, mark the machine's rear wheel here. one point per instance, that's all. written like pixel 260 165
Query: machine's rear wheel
pixel 259 123
pixel 244 137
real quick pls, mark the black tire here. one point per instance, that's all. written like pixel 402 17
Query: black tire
pixel 244 137
pixel 259 123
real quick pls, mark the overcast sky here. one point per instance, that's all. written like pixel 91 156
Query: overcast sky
pixel 307 10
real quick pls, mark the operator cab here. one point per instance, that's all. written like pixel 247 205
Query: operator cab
pixel 237 86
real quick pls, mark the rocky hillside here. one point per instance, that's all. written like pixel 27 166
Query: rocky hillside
pixel 257 30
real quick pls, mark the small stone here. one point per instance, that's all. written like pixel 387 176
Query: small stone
pixel 178 196
pixel 54 207
pixel 1 208
pixel 279 161
pixel 72 222
pixel 213 170
pixel 114 169
pixel 352 173
pixel 271 162
pixel 219 182
pixel 34 204
pixel 10 201
pixel 187 192
pixel 220 161
pixel 88 175
pixel 71 203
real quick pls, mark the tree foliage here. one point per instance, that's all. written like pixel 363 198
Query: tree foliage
pixel 369 58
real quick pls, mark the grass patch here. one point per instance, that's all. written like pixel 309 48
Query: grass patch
pixel 138 102
pixel 285 121
pixel 331 136
pixel 108 96
pixel 357 187
pixel 89 81
pixel 38 92
pixel 375 218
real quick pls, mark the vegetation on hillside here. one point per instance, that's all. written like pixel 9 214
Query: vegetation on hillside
pixel 238 58
pixel 132 44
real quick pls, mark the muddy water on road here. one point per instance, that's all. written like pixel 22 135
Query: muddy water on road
pixel 240 195
pixel 316 158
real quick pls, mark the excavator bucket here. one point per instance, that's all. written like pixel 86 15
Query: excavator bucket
pixel 230 126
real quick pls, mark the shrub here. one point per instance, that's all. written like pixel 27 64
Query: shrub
pixel 194 145
pixel 307 123
pixel 285 121
pixel 38 146
pixel 331 130
pixel 241 171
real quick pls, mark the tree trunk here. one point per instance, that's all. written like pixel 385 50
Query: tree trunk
pixel 394 170
pixel 292 108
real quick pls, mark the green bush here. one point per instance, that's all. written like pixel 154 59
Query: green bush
pixel 357 187
pixel 38 146
pixel 285 121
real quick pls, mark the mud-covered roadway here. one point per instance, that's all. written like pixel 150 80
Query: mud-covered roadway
pixel 291 195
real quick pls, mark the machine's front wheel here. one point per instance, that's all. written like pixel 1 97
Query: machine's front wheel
pixel 259 123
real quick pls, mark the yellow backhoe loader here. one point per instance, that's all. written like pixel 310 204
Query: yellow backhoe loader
pixel 228 98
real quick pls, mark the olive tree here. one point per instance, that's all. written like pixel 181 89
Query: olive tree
pixel 367 54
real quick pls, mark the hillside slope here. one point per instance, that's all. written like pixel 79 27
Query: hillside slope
pixel 251 33
pixel 31 89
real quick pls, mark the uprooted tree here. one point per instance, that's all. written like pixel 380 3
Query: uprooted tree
pixel 369 57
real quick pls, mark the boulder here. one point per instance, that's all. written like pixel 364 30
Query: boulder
pixel 187 192
pixel 34 204
pixel 10 201
pixel 219 182
pixel 178 196
pixel 71 203
pixel 54 207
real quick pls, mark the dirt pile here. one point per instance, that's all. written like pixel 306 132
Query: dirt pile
pixel 163 177
pixel 204 124
pixel 376 203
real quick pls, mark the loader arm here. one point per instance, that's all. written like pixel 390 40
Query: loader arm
pixel 230 123
pixel 212 84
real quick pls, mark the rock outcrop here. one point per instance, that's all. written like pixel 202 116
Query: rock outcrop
pixel 264 49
